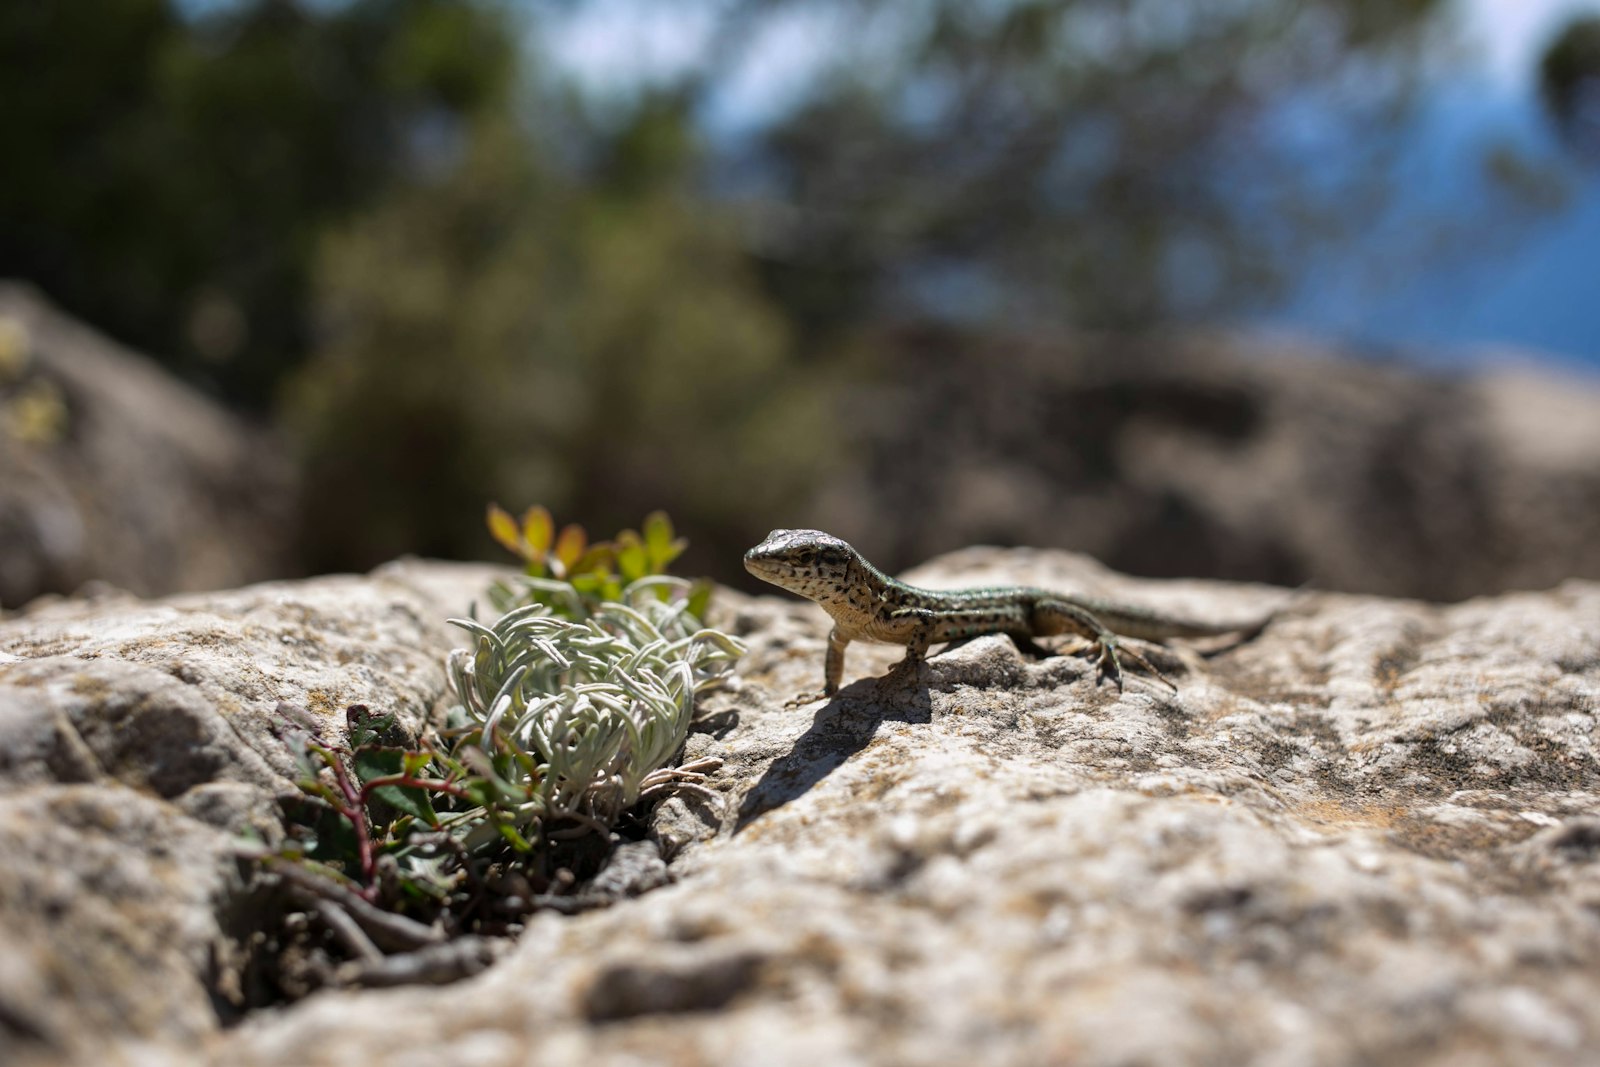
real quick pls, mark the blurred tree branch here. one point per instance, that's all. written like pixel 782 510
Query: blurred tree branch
pixel 1100 162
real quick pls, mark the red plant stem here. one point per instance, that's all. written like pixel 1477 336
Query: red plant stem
pixel 429 784
pixel 355 811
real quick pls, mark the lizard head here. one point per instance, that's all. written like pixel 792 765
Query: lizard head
pixel 811 563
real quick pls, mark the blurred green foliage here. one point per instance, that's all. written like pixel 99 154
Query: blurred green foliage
pixel 504 332
pixel 1088 163
pixel 596 571
pixel 167 178
pixel 1569 80
pixel 451 279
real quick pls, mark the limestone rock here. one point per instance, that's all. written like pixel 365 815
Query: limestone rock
pixel 111 470
pixel 1368 835
pixel 1213 454
pixel 137 746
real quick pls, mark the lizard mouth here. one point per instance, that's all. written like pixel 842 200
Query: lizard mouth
pixel 774 569
pixel 762 567
pixel 766 560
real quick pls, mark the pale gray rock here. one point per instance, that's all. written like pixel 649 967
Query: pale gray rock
pixel 1369 835
pixel 1224 455
pixel 137 747
pixel 113 471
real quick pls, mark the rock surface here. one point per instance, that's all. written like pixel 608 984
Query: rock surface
pixel 136 746
pixel 111 470
pixel 1367 836
pixel 1225 456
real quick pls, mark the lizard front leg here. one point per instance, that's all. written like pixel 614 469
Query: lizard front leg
pixel 832 670
pixel 833 662
pixel 914 627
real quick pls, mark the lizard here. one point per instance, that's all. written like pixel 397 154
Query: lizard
pixel 867 604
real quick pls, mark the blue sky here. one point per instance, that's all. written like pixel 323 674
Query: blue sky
pixel 1532 291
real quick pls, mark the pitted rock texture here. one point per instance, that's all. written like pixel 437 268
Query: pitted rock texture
pixel 136 746
pixel 1368 835
pixel 1364 837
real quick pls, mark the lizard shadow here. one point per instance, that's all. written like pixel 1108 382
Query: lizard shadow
pixel 843 726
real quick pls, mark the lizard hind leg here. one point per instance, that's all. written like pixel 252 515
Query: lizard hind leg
pixel 1052 616
pixel 1109 646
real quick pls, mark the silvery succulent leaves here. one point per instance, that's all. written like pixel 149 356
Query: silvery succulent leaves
pixel 573 707
pixel 593 707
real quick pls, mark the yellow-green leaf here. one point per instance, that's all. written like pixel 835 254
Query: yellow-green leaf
pixel 657 529
pixel 699 599
pixel 503 528
pixel 570 545
pixel 632 560
pixel 537 527
pixel 516 840
pixel 597 557
pixel 590 583
pixel 661 548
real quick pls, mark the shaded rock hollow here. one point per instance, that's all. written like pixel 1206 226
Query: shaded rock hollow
pixel 1225 455
pixel 111 470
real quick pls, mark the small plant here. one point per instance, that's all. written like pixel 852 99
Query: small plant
pixel 374 795
pixel 594 705
pixel 598 571
pixel 571 707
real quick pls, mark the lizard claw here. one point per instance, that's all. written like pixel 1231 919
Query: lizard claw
pixel 1107 660
pixel 1110 664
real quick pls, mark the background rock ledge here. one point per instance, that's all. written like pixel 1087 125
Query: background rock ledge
pixel 1367 836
